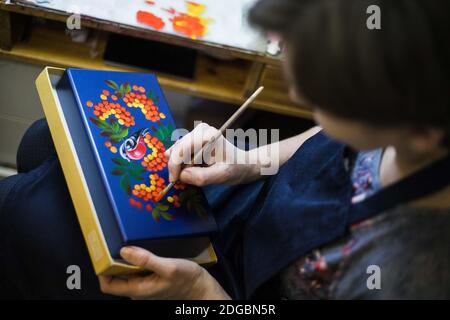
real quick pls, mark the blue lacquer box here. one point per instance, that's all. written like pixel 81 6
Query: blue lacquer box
pixel 120 125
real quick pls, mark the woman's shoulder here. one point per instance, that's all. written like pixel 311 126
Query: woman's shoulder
pixel 407 257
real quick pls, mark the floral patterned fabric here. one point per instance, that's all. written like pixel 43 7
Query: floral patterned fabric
pixel 365 175
pixel 411 247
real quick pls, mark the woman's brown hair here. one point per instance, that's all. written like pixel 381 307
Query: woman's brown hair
pixel 397 75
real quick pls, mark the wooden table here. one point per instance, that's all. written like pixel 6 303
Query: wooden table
pixel 229 80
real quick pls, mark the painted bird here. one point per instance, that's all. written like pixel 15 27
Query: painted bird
pixel 134 148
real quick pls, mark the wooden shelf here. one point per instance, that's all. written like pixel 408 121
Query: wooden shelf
pixel 228 80
pixel 49 45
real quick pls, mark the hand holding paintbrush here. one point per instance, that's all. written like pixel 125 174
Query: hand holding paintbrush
pixel 199 154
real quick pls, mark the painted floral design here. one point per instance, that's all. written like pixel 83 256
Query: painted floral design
pixel 103 110
pixel 155 159
pixel 145 103
pixel 140 150
pixel 151 191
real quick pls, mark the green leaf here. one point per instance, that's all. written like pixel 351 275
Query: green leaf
pixel 120 162
pixel 125 184
pixel 171 128
pixel 164 134
pixel 105 133
pixel 167 216
pixel 112 84
pixel 190 206
pixel 156 215
pixel 127 87
pixel 200 210
pixel 123 132
pixel 151 96
pixel 162 207
pixel 118 171
pixel 159 135
pixel 136 167
pixel 165 131
pixel 183 196
pixel 115 127
pixel 99 123
pixel 135 175
pixel 190 191
pixel 116 137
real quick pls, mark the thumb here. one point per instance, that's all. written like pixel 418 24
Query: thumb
pixel 144 259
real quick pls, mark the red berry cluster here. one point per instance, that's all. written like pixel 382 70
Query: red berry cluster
pixel 147 106
pixel 155 160
pixel 151 192
pixel 104 109
pixel 135 203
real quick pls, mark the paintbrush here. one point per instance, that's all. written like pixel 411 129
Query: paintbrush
pixel 199 153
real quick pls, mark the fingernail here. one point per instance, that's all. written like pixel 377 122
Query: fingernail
pixel 126 251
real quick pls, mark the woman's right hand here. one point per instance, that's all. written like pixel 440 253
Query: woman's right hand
pixel 217 167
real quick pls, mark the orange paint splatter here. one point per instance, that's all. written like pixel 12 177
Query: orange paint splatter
pixel 150 2
pixel 195 9
pixel 192 27
pixel 150 19
pixel 191 23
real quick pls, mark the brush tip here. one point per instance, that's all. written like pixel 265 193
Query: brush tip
pixel 159 197
pixel 163 192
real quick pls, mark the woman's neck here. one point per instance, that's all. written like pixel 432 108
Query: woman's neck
pixel 398 164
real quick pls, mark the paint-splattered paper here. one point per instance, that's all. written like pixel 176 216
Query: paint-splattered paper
pixel 219 22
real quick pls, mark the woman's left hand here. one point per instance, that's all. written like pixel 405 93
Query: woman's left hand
pixel 170 279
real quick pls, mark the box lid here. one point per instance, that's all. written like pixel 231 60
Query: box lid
pixel 130 126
